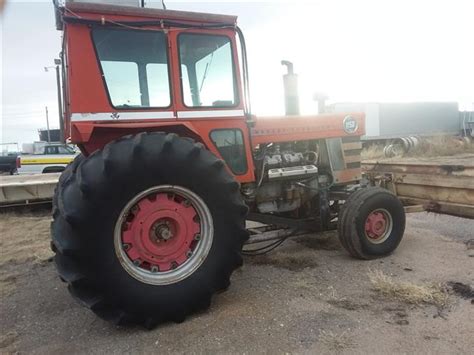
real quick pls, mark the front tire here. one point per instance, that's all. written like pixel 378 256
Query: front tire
pixel 371 223
pixel 148 229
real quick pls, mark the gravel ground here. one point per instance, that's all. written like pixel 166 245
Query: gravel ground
pixel 307 296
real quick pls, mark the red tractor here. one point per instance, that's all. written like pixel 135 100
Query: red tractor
pixel 150 220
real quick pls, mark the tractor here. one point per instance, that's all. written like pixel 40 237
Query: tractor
pixel 149 222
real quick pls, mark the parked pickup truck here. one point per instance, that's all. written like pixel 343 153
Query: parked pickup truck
pixel 48 158
pixel 9 163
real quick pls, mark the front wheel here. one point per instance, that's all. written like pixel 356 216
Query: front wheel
pixel 148 229
pixel 371 223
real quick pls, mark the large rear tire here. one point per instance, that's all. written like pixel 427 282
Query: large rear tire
pixel 371 223
pixel 148 229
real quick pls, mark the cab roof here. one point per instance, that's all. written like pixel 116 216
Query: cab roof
pixel 95 11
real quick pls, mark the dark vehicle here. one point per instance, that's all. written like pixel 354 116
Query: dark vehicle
pixel 9 163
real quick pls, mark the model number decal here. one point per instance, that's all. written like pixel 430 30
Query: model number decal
pixel 350 124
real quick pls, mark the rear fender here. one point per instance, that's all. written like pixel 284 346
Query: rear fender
pixel 101 134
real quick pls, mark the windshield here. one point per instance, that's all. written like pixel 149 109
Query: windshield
pixel 207 70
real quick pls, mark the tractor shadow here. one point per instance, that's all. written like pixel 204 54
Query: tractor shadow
pixel 298 253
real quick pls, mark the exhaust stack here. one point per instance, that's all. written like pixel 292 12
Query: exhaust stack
pixel 290 85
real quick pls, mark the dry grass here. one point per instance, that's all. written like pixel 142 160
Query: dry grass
pixel 441 146
pixel 23 238
pixel 438 146
pixel 408 292
pixel 373 151
pixel 336 342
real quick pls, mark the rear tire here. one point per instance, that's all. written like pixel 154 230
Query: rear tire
pixel 371 223
pixel 92 200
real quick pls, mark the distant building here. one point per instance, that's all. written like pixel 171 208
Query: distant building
pixel 53 133
pixel 391 120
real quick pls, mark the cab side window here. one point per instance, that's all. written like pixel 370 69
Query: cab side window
pixel 51 150
pixel 230 144
pixel 207 70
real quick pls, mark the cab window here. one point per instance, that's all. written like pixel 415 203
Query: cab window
pixel 134 66
pixel 207 70
pixel 65 150
pixel 230 144
pixel 51 150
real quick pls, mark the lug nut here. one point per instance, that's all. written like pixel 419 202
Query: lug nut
pixel 154 269
pixel 125 246
pixel 136 262
pixel 189 253
pixel 186 203
pixel 174 265
pixel 197 237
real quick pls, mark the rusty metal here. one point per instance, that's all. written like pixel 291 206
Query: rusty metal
pixel 442 185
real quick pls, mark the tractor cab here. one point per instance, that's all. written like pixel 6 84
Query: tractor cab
pixel 129 68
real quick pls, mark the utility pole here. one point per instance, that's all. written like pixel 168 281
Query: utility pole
pixel 47 124
pixel 60 104
pixel 57 63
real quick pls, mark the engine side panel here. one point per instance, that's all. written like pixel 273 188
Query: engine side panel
pixel 338 136
pixel 300 128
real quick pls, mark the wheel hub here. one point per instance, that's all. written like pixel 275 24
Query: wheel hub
pixel 378 225
pixel 160 233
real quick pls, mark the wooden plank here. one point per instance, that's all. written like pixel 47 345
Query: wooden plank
pixel 460 182
pixel 438 194
pixel 451 170
pixel 352 158
pixel 459 210
pixel 467 160
pixel 352 146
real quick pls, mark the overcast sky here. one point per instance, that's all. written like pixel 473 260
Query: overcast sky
pixel 367 50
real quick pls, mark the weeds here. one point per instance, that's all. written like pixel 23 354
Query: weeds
pixel 441 146
pixel 437 146
pixel 408 292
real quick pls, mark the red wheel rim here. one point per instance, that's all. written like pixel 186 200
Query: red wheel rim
pixel 378 226
pixel 163 234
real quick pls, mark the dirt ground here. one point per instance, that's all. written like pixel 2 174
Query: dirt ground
pixel 307 296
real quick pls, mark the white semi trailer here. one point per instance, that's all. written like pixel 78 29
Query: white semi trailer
pixel 395 120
